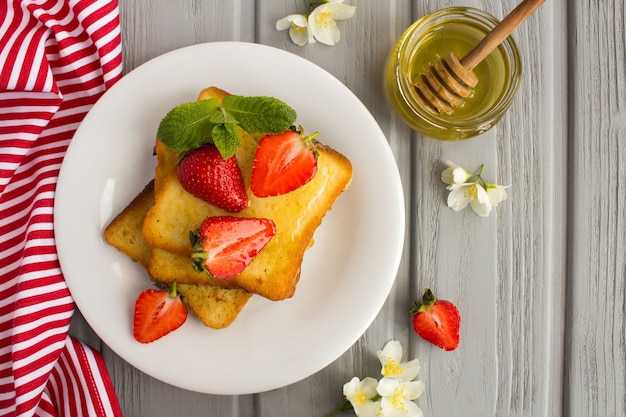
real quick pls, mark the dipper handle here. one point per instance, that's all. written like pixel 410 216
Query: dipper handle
pixel 500 33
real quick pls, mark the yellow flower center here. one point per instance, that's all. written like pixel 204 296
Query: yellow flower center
pixel 324 19
pixel 361 397
pixel 397 400
pixel 472 192
pixel 392 368
pixel 297 28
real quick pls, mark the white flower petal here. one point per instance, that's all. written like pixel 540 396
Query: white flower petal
pixel 341 11
pixel 414 389
pixel 390 408
pixel 322 21
pixel 409 370
pixel 355 386
pixel 283 23
pixel 413 410
pixel 289 21
pixel 392 349
pixel 447 175
pixel 390 358
pixel 323 27
pixel 480 203
pixel 328 36
pixel 397 397
pixel 497 195
pixel 360 394
pixel 454 174
pixel 298 28
pixel 299 36
pixel 459 197
pixel 460 175
pixel 481 194
pixel 387 386
pixel 369 409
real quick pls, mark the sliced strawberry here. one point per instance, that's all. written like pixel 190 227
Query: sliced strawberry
pixel 437 321
pixel 157 313
pixel 282 163
pixel 204 173
pixel 224 245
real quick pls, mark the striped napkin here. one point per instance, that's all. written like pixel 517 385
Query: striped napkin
pixel 56 59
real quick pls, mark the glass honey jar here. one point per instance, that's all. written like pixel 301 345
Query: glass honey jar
pixel 457 30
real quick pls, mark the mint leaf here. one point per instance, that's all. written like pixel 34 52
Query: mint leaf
pixel 188 125
pixel 220 115
pixel 260 114
pixel 226 138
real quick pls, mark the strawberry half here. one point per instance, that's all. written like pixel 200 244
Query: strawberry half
pixel 437 321
pixel 224 245
pixel 157 313
pixel 282 163
pixel 204 173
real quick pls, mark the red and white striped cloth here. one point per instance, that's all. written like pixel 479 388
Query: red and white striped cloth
pixel 56 59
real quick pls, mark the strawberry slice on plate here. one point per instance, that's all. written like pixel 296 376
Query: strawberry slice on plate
pixel 283 162
pixel 157 313
pixel 437 321
pixel 224 245
pixel 204 173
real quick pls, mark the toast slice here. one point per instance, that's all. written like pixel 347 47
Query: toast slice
pixel 275 270
pixel 216 307
pixel 121 232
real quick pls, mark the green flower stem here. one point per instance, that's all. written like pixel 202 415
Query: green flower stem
pixel 478 178
pixel 480 172
pixel 344 407
pixel 347 405
pixel 313 5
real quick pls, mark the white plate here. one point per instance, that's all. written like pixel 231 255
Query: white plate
pixel 345 278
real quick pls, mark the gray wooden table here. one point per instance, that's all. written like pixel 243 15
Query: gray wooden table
pixel 540 283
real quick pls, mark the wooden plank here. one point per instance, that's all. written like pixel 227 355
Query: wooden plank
pixel 504 272
pixel 596 334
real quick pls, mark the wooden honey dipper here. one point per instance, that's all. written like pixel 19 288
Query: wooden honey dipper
pixel 449 80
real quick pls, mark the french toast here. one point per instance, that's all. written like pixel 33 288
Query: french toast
pixel 216 307
pixel 275 271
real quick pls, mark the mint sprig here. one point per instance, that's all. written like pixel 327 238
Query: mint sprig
pixel 191 125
